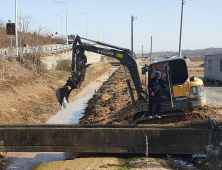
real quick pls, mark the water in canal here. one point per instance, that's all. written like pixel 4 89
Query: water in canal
pixel 74 110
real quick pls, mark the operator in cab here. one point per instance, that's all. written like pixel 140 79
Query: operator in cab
pixel 154 87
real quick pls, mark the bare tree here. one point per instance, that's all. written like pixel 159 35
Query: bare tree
pixel 37 40
pixel 2 23
pixel 24 26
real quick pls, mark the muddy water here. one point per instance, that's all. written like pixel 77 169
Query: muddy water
pixel 73 111
pixel 70 115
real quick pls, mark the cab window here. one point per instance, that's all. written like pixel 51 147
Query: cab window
pixel 179 72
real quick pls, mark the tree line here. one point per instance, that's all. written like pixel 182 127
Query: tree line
pixel 188 53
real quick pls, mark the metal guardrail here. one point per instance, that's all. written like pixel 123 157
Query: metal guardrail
pixel 34 49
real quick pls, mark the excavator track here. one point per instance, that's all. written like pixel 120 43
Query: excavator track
pixel 166 117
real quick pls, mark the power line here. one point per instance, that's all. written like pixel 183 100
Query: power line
pixel 164 21
pixel 206 5
pixel 204 9
pixel 155 9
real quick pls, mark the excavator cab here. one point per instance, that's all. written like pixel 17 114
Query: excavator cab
pixel 162 67
pixel 174 73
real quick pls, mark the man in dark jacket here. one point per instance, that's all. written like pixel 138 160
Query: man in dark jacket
pixel 154 87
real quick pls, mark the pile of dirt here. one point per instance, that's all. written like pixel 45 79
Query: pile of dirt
pixel 203 117
pixel 111 104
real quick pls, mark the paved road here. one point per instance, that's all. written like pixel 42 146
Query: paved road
pixel 214 93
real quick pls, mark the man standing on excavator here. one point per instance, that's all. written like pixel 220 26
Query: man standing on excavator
pixel 154 86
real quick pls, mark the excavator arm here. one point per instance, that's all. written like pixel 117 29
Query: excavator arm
pixel 79 60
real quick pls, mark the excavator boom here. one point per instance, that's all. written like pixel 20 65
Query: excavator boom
pixel 79 60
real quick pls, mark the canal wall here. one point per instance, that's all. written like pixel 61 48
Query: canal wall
pixel 52 60
pixel 104 139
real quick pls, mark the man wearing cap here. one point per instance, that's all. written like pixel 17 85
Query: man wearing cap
pixel 154 86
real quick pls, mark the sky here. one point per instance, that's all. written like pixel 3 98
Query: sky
pixel 161 19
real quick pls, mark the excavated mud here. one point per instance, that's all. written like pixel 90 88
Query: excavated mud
pixel 111 104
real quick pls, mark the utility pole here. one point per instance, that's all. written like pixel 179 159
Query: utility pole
pixel 11 35
pixel 66 21
pixel 151 50
pixel 62 25
pixel 181 23
pixel 21 22
pixel 86 26
pixel 97 28
pixel 132 33
pixel 21 31
pixel 86 22
pixel 103 33
pixel 142 53
pixel 108 37
pixel 16 32
pixel 67 24
pixel 132 19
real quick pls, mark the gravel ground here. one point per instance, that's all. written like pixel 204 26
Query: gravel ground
pixel 213 93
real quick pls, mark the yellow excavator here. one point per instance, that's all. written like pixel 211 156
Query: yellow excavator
pixel 183 92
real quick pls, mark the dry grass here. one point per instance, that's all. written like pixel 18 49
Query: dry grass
pixel 12 70
pixel 144 62
pixel 22 85
pixel 196 68
pixel 195 64
pixel 64 65
pixel 5 40
pixel 27 92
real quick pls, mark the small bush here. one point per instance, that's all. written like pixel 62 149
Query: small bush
pixel 134 159
pixel 64 65
pixel 124 168
pixel 104 166
pixel 96 121
pixel 32 61
pixel 41 68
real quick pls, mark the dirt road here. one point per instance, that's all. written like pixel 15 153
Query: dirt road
pixel 213 92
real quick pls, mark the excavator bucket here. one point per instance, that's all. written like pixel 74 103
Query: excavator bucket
pixel 62 93
pixel 73 82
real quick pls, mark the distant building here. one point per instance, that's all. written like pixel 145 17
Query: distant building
pixel 155 59
pixel 213 67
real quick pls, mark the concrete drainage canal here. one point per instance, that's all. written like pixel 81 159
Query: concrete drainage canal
pixel 70 115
